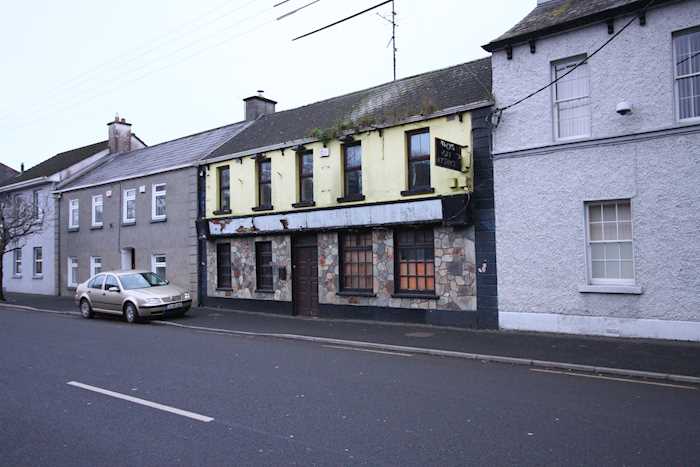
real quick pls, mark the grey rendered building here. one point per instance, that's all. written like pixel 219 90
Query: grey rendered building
pixel 136 210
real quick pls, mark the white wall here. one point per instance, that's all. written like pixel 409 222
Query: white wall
pixel 540 193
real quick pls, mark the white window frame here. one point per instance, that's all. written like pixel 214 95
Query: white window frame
pixel 555 102
pixel 676 78
pixel 589 261
pixel 37 261
pixel 155 264
pixel 17 262
pixel 93 263
pixel 73 281
pixel 154 196
pixel 35 203
pixel 129 195
pixel 74 214
pixel 97 200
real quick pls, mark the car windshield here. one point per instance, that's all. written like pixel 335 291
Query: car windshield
pixel 141 280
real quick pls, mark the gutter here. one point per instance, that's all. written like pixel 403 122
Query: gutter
pixel 26 184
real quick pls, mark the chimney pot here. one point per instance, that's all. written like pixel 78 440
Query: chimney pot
pixel 21 167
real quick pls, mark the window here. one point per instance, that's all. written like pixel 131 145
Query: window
pixel 35 204
pixel 74 214
pixel 572 103
pixel 306 177
pixel 111 281
pixel 129 209
pixel 415 261
pixel 159 265
pixel 158 212
pixel 263 265
pixel 223 265
pixel 686 47
pixel 224 188
pixel 265 183
pixel 610 242
pixel 72 272
pixel 38 261
pixel 96 282
pixel 17 262
pixel 419 160
pixel 356 262
pixel 352 169
pixel 97 205
pixel 95 265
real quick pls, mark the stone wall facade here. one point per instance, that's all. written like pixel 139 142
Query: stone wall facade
pixel 243 269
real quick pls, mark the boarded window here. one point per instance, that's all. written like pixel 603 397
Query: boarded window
pixel 356 262
pixel 415 261
pixel 263 265
pixel 223 265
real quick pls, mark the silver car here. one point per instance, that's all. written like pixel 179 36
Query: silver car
pixel 133 294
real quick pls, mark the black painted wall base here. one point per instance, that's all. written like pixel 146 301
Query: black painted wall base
pixel 251 304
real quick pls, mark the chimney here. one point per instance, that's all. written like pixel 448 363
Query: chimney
pixel 257 106
pixel 119 135
pixel 21 168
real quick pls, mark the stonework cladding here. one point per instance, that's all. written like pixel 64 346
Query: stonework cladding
pixel 243 269
pixel 454 271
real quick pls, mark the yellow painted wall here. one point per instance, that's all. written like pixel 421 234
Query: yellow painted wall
pixel 384 170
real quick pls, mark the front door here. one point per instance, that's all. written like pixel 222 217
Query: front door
pixel 305 275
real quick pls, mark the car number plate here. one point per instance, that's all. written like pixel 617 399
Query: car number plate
pixel 172 306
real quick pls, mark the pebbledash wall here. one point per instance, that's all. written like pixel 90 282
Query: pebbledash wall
pixel 646 156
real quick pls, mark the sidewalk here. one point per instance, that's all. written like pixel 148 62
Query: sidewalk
pixel 631 354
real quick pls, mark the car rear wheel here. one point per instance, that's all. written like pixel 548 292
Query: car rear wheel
pixel 85 309
pixel 131 314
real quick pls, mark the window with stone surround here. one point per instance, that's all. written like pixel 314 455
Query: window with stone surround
pixel 356 262
pixel 263 266
pixel 223 265
pixel 686 46
pixel 609 242
pixel 414 261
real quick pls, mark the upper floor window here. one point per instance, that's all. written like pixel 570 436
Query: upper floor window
pixel 35 204
pixel 73 214
pixel 419 160
pixel 38 261
pixel 129 208
pixel 264 183
pixel 352 169
pixel 572 101
pixel 306 177
pixel 687 73
pixel 224 179
pixel 17 262
pixel 158 212
pixel 263 266
pixel 610 259
pixel 97 206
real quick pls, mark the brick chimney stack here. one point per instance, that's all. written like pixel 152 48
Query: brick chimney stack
pixel 119 135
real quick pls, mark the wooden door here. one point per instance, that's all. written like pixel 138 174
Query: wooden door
pixel 305 275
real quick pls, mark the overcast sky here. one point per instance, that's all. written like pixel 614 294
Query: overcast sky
pixel 177 67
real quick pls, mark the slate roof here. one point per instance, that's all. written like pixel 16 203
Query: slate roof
pixel 459 85
pixel 559 15
pixel 6 172
pixel 58 162
pixel 158 158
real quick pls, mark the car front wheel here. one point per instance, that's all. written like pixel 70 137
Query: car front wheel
pixel 85 309
pixel 131 314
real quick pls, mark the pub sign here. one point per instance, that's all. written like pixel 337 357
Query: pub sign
pixel 448 155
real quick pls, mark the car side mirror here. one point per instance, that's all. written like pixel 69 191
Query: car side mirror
pixel 166 282
pixel 112 288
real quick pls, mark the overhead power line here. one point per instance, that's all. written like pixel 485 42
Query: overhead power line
pixel 290 13
pixel 342 20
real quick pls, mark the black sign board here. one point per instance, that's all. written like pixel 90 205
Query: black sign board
pixel 448 155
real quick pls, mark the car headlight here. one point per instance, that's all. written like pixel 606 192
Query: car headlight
pixel 152 301
pixel 186 296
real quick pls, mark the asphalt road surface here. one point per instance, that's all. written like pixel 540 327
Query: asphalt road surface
pixel 77 392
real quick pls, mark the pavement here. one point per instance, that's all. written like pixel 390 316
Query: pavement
pixel 101 392
pixel 665 359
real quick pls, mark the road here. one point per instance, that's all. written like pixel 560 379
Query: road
pixel 281 402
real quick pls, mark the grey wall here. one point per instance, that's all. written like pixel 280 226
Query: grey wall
pixel 175 237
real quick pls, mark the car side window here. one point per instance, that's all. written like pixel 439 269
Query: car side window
pixel 96 282
pixel 111 281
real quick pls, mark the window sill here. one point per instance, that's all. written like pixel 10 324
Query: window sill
pixel 221 212
pixel 126 224
pixel 73 229
pixel 159 220
pixel 225 289
pixel 265 291
pixel 358 293
pixel 351 198
pixel 95 227
pixel 415 295
pixel 17 276
pixel 40 277
pixel 304 204
pixel 263 208
pixel 618 289
pixel 418 191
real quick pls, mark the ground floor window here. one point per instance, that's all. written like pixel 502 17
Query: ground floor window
pixel 38 261
pixel 17 262
pixel 263 265
pixel 223 265
pixel 609 236
pixel 72 272
pixel 159 265
pixel 356 262
pixel 95 265
pixel 415 261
